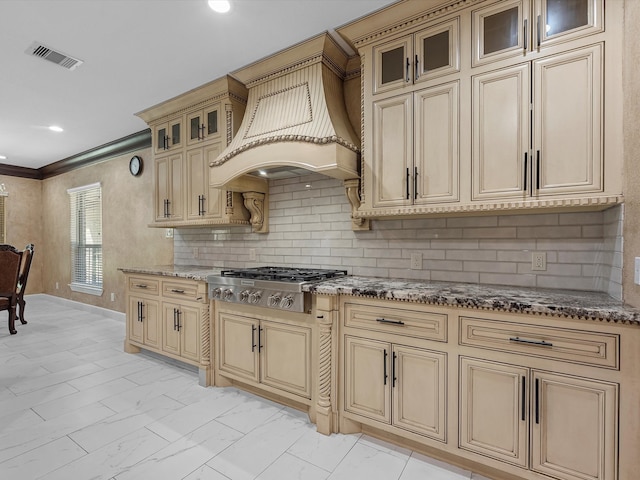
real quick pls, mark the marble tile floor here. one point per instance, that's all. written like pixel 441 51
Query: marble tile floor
pixel 74 406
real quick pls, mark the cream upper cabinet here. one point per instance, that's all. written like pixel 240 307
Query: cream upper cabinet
pixel 203 125
pixel 169 202
pixel 424 55
pixel 415 158
pixel 203 201
pixel 537 128
pixel 570 421
pixel 168 135
pixel 515 28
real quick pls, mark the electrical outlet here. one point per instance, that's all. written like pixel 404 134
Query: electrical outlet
pixel 539 261
pixel 416 261
pixel 168 233
pixel 252 254
pixel 113 297
pixel 636 276
pixel 57 286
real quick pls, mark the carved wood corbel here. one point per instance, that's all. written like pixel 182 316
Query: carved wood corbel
pixel 352 187
pixel 258 206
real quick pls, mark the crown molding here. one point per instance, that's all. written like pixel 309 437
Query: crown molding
pixel 130 143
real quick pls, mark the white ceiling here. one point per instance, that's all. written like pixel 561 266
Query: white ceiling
pixel 136 53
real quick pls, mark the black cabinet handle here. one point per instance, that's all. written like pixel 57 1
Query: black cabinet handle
pixel 417 70
pixel 178 326
pixel 408 175
pixel 538 30
pixel 537 169
pixel 525 171
pixel 524 28
pixel 540 343
pixel 392 322
pixel 260 346
pixel 524 398
pixel 140 285
pixel 385 366
pixel 253 338
pixel 175 290
pixel 175 321
pixel 415 182
pixel 393 370
pixel 141 311
pixel 408 64
pixel 537 401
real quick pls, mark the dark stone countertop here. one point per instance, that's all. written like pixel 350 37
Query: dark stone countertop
pixel 562 303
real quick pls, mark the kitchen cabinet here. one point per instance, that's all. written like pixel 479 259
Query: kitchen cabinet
pixel 515 28
pixel 265 352
pixel 169 316
pixel 415 158
pixel 537 128
pixel 167 135
pixel 396 385
pixel 203 125
pixel 570 421
pixel 168 172
pixel 182 194
pixel 394 369
pixel 421 56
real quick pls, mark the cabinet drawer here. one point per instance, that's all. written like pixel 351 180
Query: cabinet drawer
pixel 180 290
pixel 150 286
pixel 591 348
pixel 414 323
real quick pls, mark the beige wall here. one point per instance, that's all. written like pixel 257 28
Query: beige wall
pixel 631 89
pixel 24 222
pixel 127 240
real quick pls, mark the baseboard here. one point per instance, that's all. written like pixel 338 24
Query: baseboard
pixel 105 312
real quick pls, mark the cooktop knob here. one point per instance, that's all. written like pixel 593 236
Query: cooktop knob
pixel 244 296
pixel 217 292
pixel 274 299
pixel 228 294
pixel 254 297
pixel 287 302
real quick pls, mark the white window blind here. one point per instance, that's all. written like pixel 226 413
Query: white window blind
pixel 2 222
pixel 86 238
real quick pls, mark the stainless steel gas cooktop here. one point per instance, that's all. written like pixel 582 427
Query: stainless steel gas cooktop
pixel 270 287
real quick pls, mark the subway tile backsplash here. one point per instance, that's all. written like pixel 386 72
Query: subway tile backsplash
pixel 310 226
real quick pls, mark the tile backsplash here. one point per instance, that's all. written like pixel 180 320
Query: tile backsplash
pixel 310 226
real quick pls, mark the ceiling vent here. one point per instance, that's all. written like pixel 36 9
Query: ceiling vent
pixel 37 49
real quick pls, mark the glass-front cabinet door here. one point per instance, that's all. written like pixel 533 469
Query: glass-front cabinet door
pixel 436 51
pixel 167 135
pixel 203 124
pixel 561 20
pixel 500 30
pixel 392 67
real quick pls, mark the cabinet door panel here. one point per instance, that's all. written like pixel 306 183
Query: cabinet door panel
pixel 136 327
pixel 500 133
pixel 420 391
pixel 492 408
pixel 568 122
pixel 392 151
pixel 575 437
pixel 234 344
pixel 215 199
pixel 170 333
pixel 176 183
pixel 498 31
pixel 161 178
pixel 151 320
pixel 367 382
pixel 190 333
pixel 285 357
pixel 436 144
pixel 196 183
pixel 562 20
pixel 390 65
pixel 437 51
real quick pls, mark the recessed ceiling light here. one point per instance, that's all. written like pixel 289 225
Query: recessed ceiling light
pixel 2 157
pixel 55 128
pixel 262 172
pixel 220 6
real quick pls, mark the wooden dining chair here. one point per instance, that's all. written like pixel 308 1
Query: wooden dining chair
pixel 10 260
pixel 27 256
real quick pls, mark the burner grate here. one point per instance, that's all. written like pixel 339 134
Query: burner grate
pixel 283 274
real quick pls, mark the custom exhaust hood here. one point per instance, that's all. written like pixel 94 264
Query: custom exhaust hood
pixel 296 122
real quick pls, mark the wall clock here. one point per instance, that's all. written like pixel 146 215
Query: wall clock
pixel 135 165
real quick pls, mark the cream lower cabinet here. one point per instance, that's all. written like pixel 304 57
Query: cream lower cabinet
pixel 169 316
pixel 264 352
pixel 397 385
pixel 559 425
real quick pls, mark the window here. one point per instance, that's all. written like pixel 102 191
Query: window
pixel 86 239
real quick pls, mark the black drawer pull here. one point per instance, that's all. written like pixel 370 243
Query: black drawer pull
pixel 540 343
pixel 139 285
pixel 173 290
pixel 392 322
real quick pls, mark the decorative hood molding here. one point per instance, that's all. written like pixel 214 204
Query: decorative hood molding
pixel 295 116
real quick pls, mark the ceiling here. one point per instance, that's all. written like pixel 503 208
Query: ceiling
pixel 136 53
